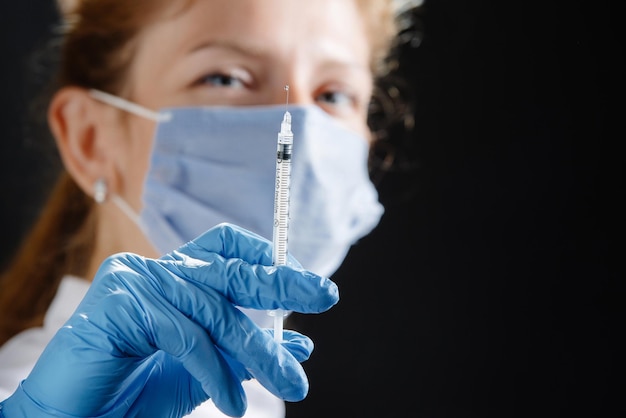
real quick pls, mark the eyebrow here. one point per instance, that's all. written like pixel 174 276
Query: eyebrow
pixel 240 47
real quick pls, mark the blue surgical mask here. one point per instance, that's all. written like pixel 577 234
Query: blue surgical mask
pixel 217 164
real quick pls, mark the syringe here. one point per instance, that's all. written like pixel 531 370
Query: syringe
pixel 281 206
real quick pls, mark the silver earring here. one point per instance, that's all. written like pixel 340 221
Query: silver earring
pixel 100 190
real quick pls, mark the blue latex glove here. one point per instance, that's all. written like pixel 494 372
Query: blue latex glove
pixel 156 338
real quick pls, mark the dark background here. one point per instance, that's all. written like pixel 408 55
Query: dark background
pixel 491 287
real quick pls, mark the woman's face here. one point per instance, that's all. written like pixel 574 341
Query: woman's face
pixel 243 52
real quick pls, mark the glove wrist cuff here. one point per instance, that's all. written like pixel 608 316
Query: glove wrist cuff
pixel 20 405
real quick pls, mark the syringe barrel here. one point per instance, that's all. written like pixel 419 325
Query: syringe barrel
pixel 281 201
pixel 281 208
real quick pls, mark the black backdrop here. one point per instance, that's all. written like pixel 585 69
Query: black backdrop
pixel 491 286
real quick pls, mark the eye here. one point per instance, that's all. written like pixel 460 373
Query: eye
pixel 232 79
pixel 341 101
pixel 336 98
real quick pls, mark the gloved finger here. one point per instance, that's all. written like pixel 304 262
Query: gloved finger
pixel 232 241
pixel 244 274
pixel 300 346
pixel 257 286
pixel 239 263
pixel 253 285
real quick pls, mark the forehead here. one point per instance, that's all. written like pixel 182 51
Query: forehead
pixel 317 29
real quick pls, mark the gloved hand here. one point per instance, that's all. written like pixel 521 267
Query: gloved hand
pixel 158 337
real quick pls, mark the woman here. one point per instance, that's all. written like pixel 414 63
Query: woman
pixel 165 117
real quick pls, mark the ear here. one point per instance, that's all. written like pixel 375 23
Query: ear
pixel 75 121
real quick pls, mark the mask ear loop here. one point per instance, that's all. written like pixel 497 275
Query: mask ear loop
pixel 129 106
pixel 123 104
pixel 126 209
